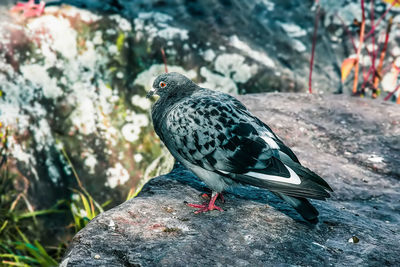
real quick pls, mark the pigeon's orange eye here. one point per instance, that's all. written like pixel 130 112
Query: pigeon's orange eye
pixel 163 84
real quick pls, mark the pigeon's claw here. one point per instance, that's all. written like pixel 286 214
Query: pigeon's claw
pixel 197 206
pixel 206 206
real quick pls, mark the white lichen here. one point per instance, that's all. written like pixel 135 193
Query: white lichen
pixel 248 51
pixel 293 30
pixel 141 102
pixel 38 75
pixel 84 15
pixel 155 24
pixel 147 77
pixel 89 57
pixel 132 129
pixel 84 115
pixel 122 23
pixel 42 134
pixel 90 162
pixel 217 82
pixel 130 132
pixel 170 33
pixel 232 65
pixel 138 157
pixel 117 175
pixel 299 46
pixel 112 49
pixel 140 120
pixel 209 55
pixel 98 38
pixel 59 34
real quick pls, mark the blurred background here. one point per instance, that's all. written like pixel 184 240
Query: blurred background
pixel 75 131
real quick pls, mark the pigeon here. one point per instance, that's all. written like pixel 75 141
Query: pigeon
pixel 217 138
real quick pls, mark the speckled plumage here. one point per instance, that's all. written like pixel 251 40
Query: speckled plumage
pixel 217 138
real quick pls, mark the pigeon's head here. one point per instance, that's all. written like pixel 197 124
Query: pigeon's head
pixel 171 83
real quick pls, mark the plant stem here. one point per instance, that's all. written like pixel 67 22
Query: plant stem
pixel 373 42
pixel 357 66
pixel 383 53
pixel 73 169
pixel 391 93
pixel 164 59
pixel 380 19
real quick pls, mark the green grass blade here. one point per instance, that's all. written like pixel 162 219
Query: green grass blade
pixel 49 260
pixel 22 235
pixel 36 213
pixel 12 263
pixel 4 226
pixel 19 257
pixel 86 206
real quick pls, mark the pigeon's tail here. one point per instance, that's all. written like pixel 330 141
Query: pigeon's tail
pixel 302 206
pixel 290 179
pixel 304 172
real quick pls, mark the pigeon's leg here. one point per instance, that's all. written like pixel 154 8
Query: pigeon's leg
pixel 208 196
pixel 207 206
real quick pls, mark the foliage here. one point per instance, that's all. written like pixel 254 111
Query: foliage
pixel 15 248
pixel 19 244
pixel 372 74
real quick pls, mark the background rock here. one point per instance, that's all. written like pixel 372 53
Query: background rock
pixel 66 96
pixel 352 143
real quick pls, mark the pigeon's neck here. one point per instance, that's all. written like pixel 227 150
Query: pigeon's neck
pixel 162 107
pixel 173 98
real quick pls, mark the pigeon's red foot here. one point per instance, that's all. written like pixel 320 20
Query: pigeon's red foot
pixel 206 206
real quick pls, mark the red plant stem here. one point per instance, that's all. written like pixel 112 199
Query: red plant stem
pixel 313 47
pixel 164 59
pixel 391 93
pixel 373 42
pixel 357 66
pixel 372 31
pixel 383 53
pixel 366 77
pixel 369 54
pixel 380 19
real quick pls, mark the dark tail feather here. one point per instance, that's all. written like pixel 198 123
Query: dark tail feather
pixel 302 206
pixel 305 172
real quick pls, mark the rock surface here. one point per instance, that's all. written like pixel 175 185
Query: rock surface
pixel 353 143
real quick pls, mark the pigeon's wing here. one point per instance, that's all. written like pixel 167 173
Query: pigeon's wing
pixel 245 112
pixel 220 135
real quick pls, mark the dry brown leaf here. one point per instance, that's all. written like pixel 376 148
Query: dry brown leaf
pixel 347 65
pixel 392 2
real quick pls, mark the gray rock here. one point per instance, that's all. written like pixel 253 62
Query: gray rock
pixel 353 143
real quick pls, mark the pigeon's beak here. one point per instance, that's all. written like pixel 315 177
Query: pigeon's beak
pixel 151 93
